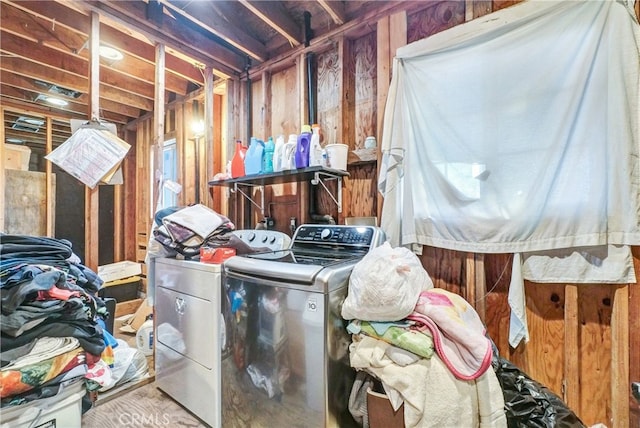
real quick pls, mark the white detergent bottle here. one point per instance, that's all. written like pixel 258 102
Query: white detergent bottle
pixel 315 152
pixel 277 154
pixel 144 337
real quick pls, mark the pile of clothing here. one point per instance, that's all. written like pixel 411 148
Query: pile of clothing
pixel 180 232
pixel 427 350
pixel 52 322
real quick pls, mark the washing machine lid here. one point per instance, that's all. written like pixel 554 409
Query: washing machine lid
pixel 314 248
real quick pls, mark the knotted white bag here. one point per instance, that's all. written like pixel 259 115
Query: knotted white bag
pixel 385 285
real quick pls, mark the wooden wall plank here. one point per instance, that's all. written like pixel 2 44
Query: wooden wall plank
pixel 329 99
pixel 571 387
pixel 130 204
pixel 595 365
pixel 634 334
pixel 497 315
pixel 285 114
pixel 434 19
pixel 257 110
pixel 620 357
pixel 541 357
pixel 363 68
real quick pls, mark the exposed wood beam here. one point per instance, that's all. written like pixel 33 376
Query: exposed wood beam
pixel 133 14
pixel 42 55
pixel 65 42
pixel 58 15
pixel 73 108
pixel 346 29
pixel 71 81
pixel 335 9
pixel 25 83
pixel 233 36
pixel 274 15
pixel 22 107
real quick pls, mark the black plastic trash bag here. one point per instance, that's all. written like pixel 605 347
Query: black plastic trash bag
pixel 527 403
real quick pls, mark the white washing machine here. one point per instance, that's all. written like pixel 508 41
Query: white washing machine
pixel 189 327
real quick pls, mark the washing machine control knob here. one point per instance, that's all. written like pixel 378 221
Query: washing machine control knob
pixel 251 236
pixel 325 234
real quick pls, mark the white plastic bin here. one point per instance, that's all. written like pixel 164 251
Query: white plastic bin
pixel 62 410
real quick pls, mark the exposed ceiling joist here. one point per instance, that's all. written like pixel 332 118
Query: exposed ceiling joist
pixel 234 36
pixel 335 9
pixel 276 17
pixel 171 33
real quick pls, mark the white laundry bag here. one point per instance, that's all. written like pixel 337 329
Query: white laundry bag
pixel 385 285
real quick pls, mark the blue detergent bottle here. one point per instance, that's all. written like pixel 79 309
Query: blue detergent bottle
pixel 303 147
pixel 269 148
pixel 253 158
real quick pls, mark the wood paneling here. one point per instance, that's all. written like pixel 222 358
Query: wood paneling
pixel 434 19
pixel 285 115
pixel 365 75
pixel 329 76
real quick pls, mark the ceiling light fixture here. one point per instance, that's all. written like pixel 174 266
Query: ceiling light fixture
pixel 56 101
pixel 14 141
pixel 110 53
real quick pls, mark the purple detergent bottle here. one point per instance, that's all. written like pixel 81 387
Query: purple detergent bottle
pixel 303 147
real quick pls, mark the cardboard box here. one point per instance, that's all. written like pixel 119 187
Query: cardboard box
pixel 138 318
pixel 119 270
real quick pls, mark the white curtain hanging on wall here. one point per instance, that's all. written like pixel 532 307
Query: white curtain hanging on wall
pixel 517 132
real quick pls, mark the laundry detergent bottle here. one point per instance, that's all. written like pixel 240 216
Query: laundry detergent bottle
pixel 254 157
pixel 237 162
pixel 303 146
pixel 269 149
pixel 289 153
pixel 277 154
pixel 315 152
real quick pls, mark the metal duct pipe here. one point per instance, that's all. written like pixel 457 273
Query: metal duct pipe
pixel 311 87
pixel 249 118
pixel 247 207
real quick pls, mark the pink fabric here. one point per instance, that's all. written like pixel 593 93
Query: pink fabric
pixel 457 330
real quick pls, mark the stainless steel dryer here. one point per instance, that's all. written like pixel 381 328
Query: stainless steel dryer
pixel 285 362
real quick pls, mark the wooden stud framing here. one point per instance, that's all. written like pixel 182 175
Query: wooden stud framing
pixel 620 357
pixel 383 79
pixel 2 173
pixel 49 196
pixel 476 283
pixel 208 151
pixel 571 383
pixel 92 200
pixel 266 104
pixel 158 122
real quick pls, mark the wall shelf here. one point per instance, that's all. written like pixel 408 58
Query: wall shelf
pixel 317 175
